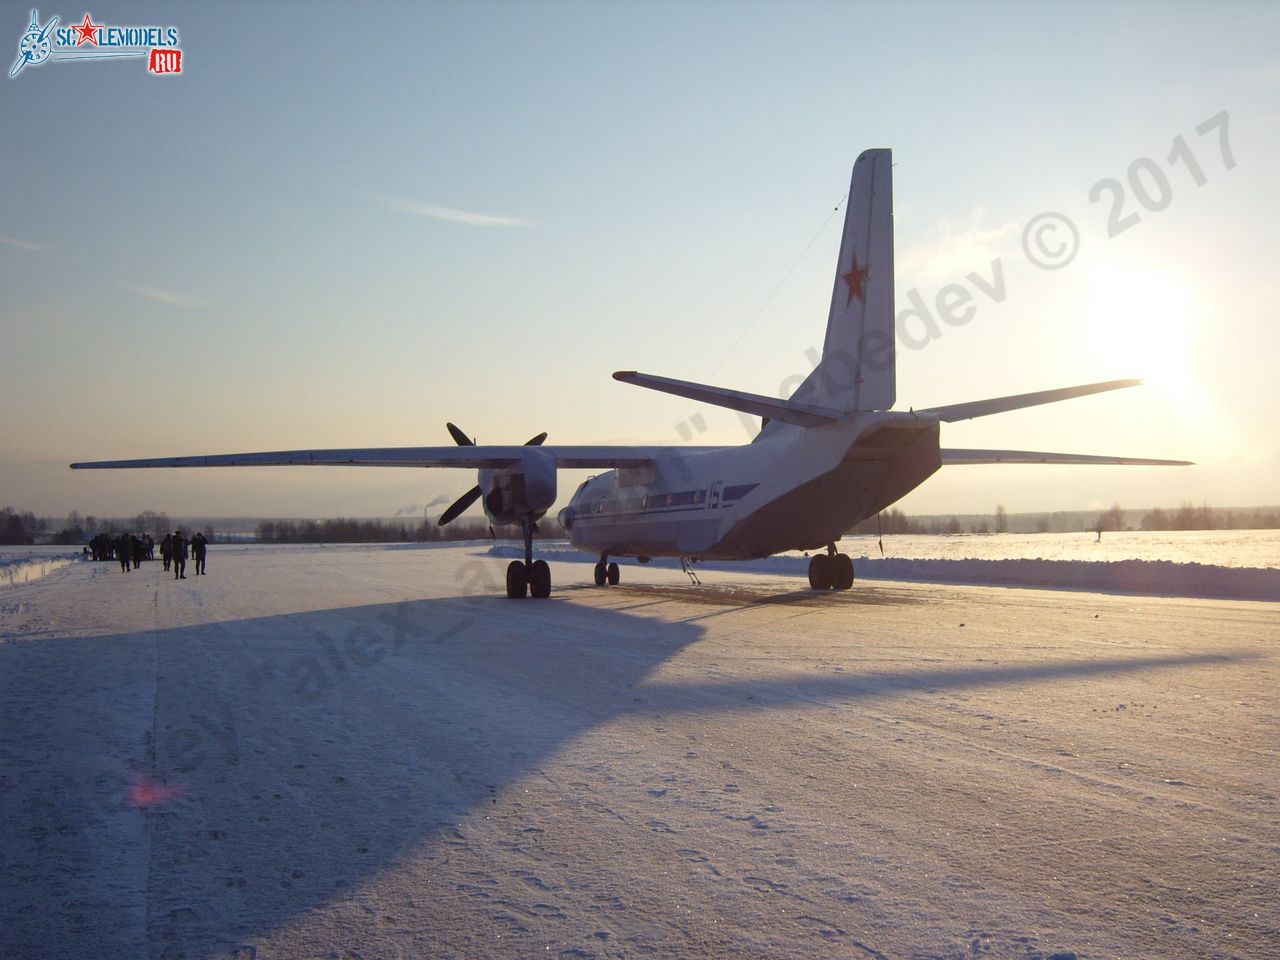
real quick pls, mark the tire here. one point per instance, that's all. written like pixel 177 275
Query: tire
pixel 614 574
pixel 517 580
pixel 841 572
pixel 540 580
pixel 820 572
pixel 602 577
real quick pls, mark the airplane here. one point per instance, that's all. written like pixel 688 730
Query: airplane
pixel 828 456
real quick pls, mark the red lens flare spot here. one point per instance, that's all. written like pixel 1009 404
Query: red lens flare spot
pixel 147 794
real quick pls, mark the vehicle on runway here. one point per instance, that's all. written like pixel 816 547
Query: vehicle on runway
pixel 827 457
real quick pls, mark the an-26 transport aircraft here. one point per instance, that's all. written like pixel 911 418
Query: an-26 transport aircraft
pixel 828 456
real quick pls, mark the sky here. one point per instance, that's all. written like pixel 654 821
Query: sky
pixel 345 226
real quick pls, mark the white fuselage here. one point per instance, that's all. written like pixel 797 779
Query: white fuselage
pixel 792 488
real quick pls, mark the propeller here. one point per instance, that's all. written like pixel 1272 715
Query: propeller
pixel 460 438
pixel 460 505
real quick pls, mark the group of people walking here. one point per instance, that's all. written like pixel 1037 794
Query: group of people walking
pixel 173 551
pixel 130 550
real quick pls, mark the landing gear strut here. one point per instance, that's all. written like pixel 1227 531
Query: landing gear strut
pixel 686 566
pixel 830 570
pixel 607 573
pixel 533 576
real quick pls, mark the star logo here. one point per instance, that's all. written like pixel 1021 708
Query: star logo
pixel 88 31
pixel 855 278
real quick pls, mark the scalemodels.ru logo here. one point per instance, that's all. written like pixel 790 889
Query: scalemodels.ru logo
pixel 98 41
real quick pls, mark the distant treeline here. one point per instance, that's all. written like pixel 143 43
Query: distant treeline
pixel 27 528
pixel 1186 517
pixel 21 528
pixel 896 522
pixel 1205 517
pixel 345 530
pixel 24 527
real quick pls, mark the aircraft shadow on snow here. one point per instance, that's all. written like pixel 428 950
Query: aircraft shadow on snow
pixel 295 758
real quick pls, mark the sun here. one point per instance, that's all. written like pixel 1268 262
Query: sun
pixel 1147 322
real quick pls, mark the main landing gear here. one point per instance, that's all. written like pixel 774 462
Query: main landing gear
pixel 830 570
pixel 607 573
pixel 528 575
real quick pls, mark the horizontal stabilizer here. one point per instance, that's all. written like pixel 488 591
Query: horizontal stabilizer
pixel 984 408
pixel 473 457
pixel 959 457
pixel 786 411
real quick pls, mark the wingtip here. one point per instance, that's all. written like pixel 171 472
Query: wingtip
pixel 624 375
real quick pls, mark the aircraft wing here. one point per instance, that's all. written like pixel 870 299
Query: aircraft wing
pixel 474 457
pixel 954 457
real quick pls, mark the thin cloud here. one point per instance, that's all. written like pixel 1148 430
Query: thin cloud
pixel 955 248
pixel 160 296
pixel 22 244
pixel 469 217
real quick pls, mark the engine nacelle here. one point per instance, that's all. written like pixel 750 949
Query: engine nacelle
pixel 512 493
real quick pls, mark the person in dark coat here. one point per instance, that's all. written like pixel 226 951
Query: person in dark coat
pixel 124 552
pixel 137 550
pixel 179 556
pixel 166 550
pixel 199 549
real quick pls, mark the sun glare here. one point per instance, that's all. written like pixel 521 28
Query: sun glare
pixel 1146 322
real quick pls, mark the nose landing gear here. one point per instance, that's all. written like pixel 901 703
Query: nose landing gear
pixel 529 575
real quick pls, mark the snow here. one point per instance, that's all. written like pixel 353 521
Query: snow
pixel 1224 548
pixel 339 752
pixel 24 564
pixel 1015 560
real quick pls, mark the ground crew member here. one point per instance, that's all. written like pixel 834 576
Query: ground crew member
pixel 179 557
pixel 199 548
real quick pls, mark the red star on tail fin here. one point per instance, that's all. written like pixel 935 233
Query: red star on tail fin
pixel 855 278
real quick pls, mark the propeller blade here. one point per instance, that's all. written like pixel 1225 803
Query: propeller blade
pixel 460 438
pixel 537 441
pixel 461 504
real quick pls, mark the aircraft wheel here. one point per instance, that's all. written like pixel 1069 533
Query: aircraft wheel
pixel 820 572
pixel 841 572
pixel 540 580
pixel 602 575
pixel 517 580
pixel 614 574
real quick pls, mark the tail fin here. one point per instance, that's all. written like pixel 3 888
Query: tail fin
pixel 856 371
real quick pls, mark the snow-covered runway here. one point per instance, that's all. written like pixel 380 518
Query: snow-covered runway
pixel 322 752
